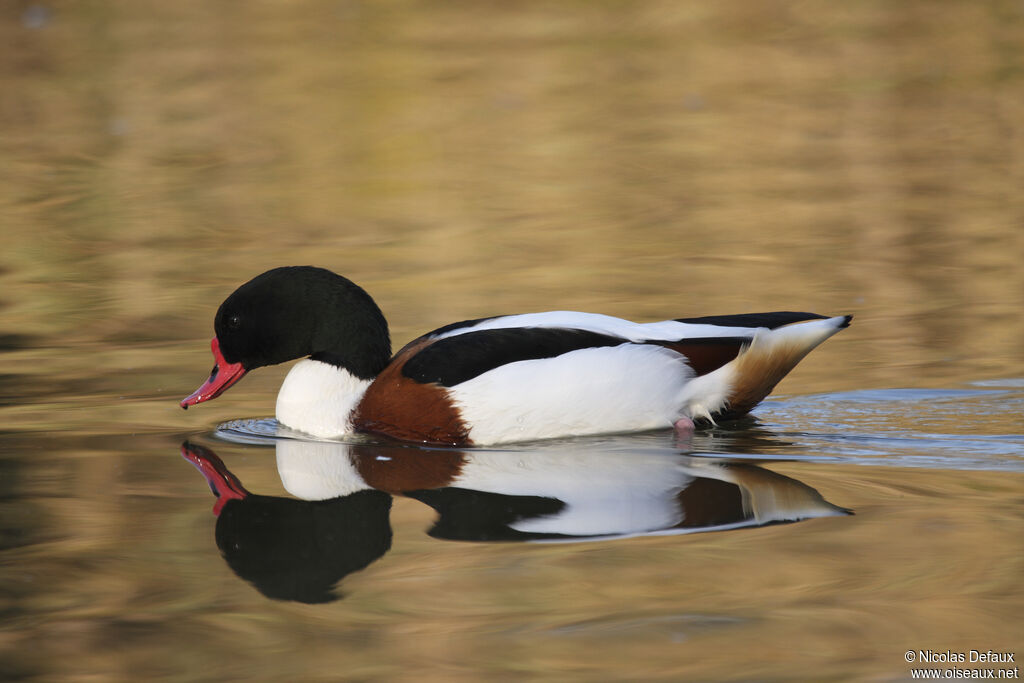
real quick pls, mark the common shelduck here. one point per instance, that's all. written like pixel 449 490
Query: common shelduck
pixel 500 379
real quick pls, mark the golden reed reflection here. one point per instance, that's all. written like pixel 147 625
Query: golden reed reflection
pixel 586 157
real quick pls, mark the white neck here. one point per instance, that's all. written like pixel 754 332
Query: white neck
pixel 318 398
pixel 317 470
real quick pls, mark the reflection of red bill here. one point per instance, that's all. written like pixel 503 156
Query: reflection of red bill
pixel 223 375
pixel 223 484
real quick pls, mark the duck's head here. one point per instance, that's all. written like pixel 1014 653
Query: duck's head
pixel 294 312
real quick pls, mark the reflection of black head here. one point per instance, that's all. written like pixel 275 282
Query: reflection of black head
pixel 298 550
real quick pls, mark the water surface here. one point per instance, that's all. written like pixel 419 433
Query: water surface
pixel 651 160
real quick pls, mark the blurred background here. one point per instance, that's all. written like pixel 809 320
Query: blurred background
pixel 649 159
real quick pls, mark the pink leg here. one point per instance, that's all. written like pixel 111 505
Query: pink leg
pixel 684 426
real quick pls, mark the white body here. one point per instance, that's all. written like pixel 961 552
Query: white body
pixel 631 387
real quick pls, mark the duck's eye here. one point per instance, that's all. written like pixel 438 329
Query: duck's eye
pixel 234 322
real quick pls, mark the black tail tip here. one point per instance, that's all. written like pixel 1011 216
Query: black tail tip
pixel 846 321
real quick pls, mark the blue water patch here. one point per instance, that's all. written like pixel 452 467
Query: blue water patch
pixel 935 428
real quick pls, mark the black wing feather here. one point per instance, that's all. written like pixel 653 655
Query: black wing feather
pixel 769 320
pixel 454 360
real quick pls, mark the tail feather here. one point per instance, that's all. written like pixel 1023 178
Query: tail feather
pixel 736 387
pixel 770 357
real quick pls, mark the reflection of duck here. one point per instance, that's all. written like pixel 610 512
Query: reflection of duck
pixel 298 549
pixel 499 379
pixel 558 492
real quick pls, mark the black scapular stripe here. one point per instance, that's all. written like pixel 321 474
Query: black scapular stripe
pixel 453 360
pixel 469 515
pixel 769 320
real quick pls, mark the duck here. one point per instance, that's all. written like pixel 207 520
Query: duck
pixel 500 379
